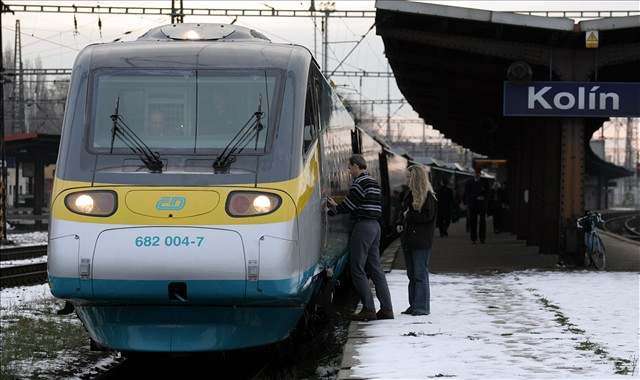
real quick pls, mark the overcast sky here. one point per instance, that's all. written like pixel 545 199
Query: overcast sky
pixel 52 36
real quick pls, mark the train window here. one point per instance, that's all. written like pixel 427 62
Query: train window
pixel 226 101
pixel 158 107
pixel 184 111
pixel 326 103
pixel 310 122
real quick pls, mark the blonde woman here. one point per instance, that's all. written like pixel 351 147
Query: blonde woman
pixel 417 236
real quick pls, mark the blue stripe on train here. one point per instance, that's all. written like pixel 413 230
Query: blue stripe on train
pixel 157 328
pixel 267 315
pixel 219 292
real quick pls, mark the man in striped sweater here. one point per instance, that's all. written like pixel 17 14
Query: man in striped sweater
pixel 364 203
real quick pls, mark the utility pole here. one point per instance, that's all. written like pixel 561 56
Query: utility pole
pixel 361 105
pixel 629 164
pixel 388 105
pixel 19 124
pixel 177 14
pixel 327 7
pixel 312 9
pixel 325 45
pixel 3 157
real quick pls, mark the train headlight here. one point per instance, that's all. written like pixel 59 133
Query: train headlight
pixel 92 203
pixel 252 203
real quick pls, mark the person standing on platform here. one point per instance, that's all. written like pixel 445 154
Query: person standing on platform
pixel 421 208
pixel 364 203
pixel 475 198
pixel 445 205
pixel 495 205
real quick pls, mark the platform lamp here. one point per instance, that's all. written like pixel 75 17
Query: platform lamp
pixel 519 72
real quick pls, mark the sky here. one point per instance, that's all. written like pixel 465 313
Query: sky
pixel 52 36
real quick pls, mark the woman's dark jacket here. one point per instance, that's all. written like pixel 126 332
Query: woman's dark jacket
pixel 419 225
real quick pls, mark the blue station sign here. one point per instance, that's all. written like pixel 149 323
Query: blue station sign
pixel 572 99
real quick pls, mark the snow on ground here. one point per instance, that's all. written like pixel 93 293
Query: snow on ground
pixel 522 324
pixel 60 350
pixel 27 238
pixel 12 263
pixel 11 297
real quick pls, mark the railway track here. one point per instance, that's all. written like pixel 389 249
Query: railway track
pixel 632 227
pixel 19 275
pixel 627 225
pixel 21 253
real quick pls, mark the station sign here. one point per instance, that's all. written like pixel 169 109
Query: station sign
pixel 572 99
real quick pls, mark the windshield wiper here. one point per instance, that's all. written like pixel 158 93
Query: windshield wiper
pixel 242 138
pixel 120 129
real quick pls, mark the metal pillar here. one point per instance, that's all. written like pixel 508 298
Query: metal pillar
pixel 38 189
pixel 536 209
pixel 3 158
pixel 325 43
pixel 18 84
pixel 551 197
pixel 523 207
pixel 16 188
pixel 361 105
pixel 571 184
pixel 312 9
pixel 177 14
pixel 388 106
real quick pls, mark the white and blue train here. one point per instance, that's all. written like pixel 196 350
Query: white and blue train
pixel 188 204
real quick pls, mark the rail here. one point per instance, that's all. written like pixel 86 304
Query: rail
pixel 623 224
pixel 19 275
pixel 21 253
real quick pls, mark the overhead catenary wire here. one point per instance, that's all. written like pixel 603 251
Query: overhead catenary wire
pixel 43 39
pixel 352 49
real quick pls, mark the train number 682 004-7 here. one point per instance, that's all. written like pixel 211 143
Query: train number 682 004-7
pixel 168 241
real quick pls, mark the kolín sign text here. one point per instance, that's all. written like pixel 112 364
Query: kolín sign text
pixel 572 99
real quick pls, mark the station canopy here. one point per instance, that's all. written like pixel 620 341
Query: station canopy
pixel 450 62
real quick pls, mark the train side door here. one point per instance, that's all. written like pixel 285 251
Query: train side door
pixel 325 182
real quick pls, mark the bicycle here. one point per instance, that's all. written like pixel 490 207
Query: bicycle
pixel 593 242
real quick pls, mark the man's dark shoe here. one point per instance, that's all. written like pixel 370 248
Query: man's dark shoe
pixel 384 314
pixel 408 311
pixel 364 315
pixel 419 313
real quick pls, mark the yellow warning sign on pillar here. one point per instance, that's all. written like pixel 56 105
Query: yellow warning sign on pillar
pixel 591 39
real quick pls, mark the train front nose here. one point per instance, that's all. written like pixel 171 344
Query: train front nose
pixel 169 264
pixel 172 271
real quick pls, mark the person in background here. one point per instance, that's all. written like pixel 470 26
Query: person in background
pixel 445 205
pixel 364 203
pixel 158 125
pixel 417 237
pixel 496 207
pixel 475 198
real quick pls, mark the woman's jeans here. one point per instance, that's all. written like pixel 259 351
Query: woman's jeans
pixel 417 261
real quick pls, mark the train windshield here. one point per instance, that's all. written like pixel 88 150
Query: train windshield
pixel 185 112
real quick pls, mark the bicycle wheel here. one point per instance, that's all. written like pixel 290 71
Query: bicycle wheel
pixel 597 253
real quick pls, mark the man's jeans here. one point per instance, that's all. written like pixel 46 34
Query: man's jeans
pixel 417 262
pixel 365 258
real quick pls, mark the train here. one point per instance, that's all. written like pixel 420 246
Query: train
pixel 188 210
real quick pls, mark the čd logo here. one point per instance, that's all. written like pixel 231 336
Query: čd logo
pixel 171 203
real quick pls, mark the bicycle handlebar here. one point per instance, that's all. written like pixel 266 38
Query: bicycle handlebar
pixel 593 216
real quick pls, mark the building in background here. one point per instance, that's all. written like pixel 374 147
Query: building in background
pixel 618 142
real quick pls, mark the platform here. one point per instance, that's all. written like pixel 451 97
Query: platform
pixel 500 252
pixel 502 310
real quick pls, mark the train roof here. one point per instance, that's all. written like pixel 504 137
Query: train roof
pixel 192 46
